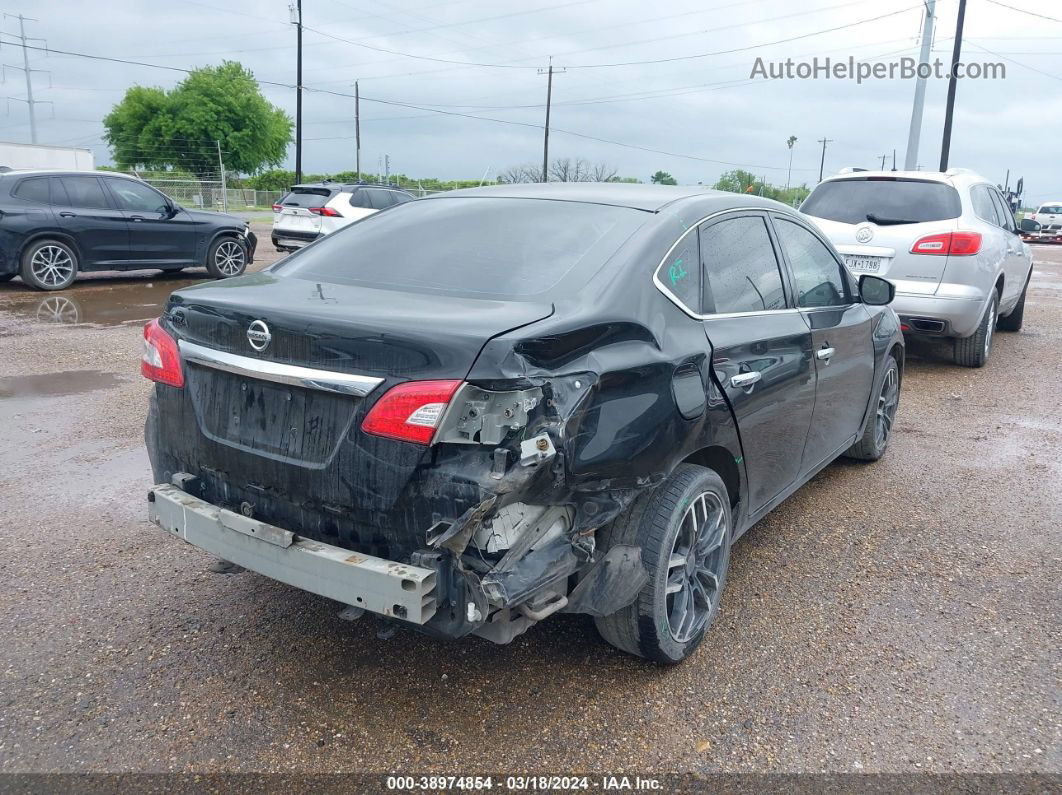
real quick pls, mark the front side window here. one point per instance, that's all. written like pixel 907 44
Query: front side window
pixel 818 276
pixel 85 192
pixel 137 197
pixel 740 267
pixel 33 190
pixel 1006 214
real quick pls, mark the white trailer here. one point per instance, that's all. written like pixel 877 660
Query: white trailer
pixel 14 155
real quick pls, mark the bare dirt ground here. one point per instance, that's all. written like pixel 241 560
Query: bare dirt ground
pixel 900 617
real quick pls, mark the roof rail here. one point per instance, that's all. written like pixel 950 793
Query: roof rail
pixel 852 170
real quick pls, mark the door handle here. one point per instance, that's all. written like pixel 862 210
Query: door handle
pixel 745 380
pixel 825 354
pixel 136 218
pixel 65 214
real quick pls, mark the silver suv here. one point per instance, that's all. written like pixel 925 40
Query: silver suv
pixel 948 241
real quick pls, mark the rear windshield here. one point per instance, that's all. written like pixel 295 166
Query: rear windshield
pixel 307 197
pixel 1051 209
pixel 914 201
pixel 504 248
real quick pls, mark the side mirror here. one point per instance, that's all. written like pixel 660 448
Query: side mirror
pixel 876 291
pixel 1029 225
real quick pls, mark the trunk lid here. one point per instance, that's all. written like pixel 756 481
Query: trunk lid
pixel 294 455
pixel 887 252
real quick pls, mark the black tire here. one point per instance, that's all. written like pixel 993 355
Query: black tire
pixel 1013 321
pixel 654 522
pixel 226 258
pixel 973 351
pixel 6 277
pixel 48 265
pixel 876 436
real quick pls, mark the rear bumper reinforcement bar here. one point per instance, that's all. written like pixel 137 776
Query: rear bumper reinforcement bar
pixel 381 586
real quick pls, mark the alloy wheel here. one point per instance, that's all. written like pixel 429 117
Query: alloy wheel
pixel 888 400
pixel 694 567
pixel 52 265
pixel 229 257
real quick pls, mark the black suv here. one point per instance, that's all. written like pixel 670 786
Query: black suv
pixel 54 224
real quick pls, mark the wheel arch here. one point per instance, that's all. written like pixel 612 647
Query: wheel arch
pixel 50 234
pixel 721 461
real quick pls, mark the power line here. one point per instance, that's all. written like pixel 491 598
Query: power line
pixel 1023 11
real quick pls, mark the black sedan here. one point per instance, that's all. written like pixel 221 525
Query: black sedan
pixel 472 411
pixel 54 225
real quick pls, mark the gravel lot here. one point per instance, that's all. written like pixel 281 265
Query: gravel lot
pixel 896 617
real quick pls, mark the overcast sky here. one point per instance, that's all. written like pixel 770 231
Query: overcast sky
pixel 703 111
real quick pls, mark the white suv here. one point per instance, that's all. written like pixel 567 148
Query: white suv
pixel 947 241
pixel 314 210
pixel 1049 217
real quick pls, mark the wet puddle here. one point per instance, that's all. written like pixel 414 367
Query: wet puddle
pixel 112 305
pixel 71 382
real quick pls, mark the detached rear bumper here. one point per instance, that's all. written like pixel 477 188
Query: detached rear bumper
pixel 381 586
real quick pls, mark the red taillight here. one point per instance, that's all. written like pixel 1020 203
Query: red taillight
pixel 161 360
pixel 410 411
pixel 953 244
pixel 904 327
pixel 326 211
pixel 277 208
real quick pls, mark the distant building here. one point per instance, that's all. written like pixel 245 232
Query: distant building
pixel 35 156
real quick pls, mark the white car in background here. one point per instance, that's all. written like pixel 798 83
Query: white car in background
pixel 310 211
pixel 947 241
pixel 1049 217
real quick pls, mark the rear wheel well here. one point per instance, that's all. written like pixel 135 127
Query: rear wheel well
pixel 62 237
pixel 721 461
pixel 999 286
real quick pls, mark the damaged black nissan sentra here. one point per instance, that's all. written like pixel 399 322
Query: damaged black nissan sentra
pixel 472 411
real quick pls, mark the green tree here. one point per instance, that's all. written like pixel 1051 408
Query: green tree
pixel 662 178
pixel 180 129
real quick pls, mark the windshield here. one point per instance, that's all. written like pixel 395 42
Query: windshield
pixel 850 201
pixel 470 246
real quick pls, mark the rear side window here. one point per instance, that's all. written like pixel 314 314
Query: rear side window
pixel 913 201
pixel 817 275
pixel 360 198
pixel 380 199
pixel 85 192
pixel 475 247
pixel 983 206
pixel 740 267
pixel 308 197
pixel 32 190
pixel 681 272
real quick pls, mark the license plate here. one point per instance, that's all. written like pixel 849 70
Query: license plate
pixel 865 264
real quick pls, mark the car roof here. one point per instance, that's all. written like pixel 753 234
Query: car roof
pixel 346 186
pixel 955 177
pixel 66 172
pixel 618 194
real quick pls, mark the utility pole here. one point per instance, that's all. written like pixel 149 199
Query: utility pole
pixel 883 161
pixel 357 131
pixel 894 158
pixel 25 68
pixel 822 164
pixel 387 169
pixel 792 139
pixel 224 185
pixel 549 99
pixel 297 14
pixel 915 132
pixel 949 113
